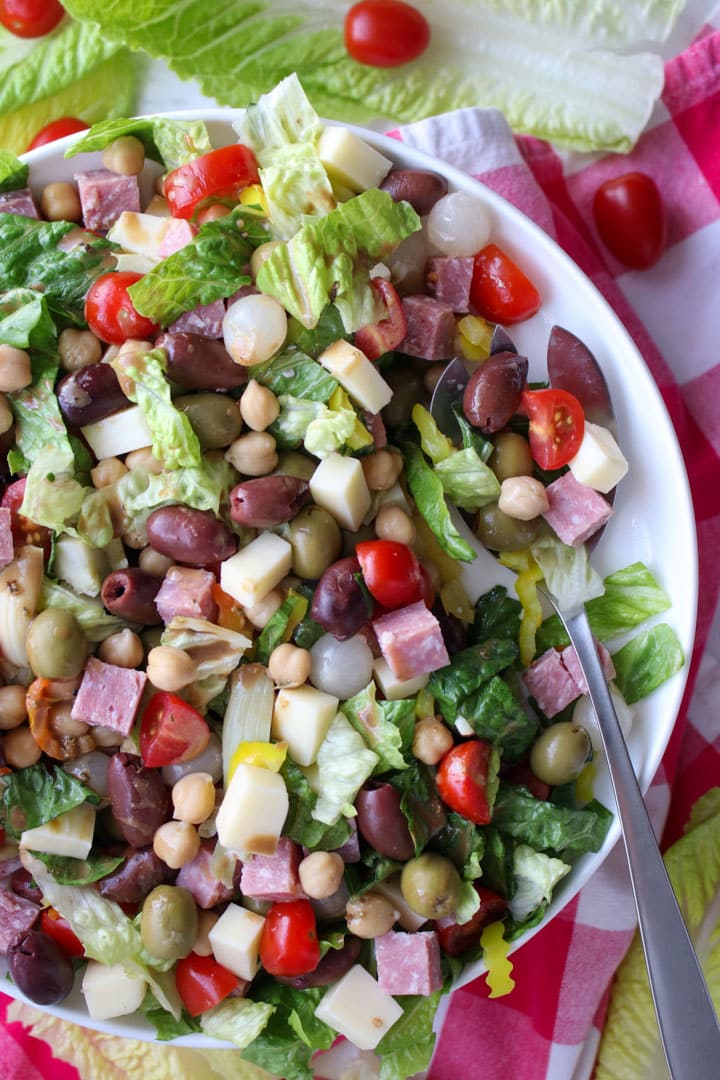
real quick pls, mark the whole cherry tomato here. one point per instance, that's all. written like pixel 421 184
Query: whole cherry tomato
pixel 57 129
pixel 171 731
pixel 220 174
pixel 393 574
pixel 110 313
pixel 289 944
pixel 381 337
pixel 202 983
pixel 630 218
pixel 24 530
pixel 385 33
pixel 464 780
pixel 499 290
pixel 59 929
pixel 557 425
pixel 30 18
pixel 455 939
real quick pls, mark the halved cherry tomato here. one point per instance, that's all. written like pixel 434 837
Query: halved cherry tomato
pixel 201 982
pixel 59 929
pixel 24 530
pixel 462 780
pixel 630 217
pixel 456 939
pixel 171 731
pixel 110 313
pixel 220 174
pixel 30 18
pixel 499 290
pixel 523 774
pixel 393 573
pixel 289 944
pixel 385 33
pixel 381 337
pixel 557 425
pixel 57 129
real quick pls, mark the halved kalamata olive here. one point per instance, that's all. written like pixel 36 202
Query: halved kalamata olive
pixel 90 394
pixel 492 395
pixel 339 602
pixel 381 821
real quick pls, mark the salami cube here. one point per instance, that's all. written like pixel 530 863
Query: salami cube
pixel 273 877
pixel 177 235
pixel 205 319
pixel 575 510
pixel 198 878
pixel 572 665
pixel 16 916
pixel 109 696
pixel 104 195
pixel 21 202
pixel 408 963
pixel 430 328
pixel 7 546
pixel 449 278
pixel 411 641
pixel 187 592
pixel 550 683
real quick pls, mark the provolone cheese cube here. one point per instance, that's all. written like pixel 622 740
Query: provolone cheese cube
pixel 253 810
pixel 235 940
pixel 302 717
pixel 141 234
pixel 406 916
pixel 349 160
pixel 69 834
pixel 356 374
pixel 599 463
pixel 139 264
pixel 338 485
pixel 118 434
pixel 250 574
pixel 393 688
pixel 357 1008
pixel 109 991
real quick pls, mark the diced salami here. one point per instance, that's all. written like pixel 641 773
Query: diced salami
pixel 7 547
pixel 430 328
pixel 408 963
pixel 575 511
pixel 448 279
pixel 273 877
pixel 411 641
pixel 188 592
pixel 104 195
pixel 550 683
pixel 20 202
pixel 205 319
pixel 572 665
pixel 109 696
pixel 177 235
pixel 141 872
pixel 16 916
pixel 198 878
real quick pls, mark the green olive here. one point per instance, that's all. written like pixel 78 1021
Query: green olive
pixel 152 636
pixel 351 539
pixel 169 922
pixel 499 532
pixel 430 884
pixel 315 538
pixel 560 752
pixel 56 645
pixel 407 386
pixel 511 456
pixel 215 418
pixel 293 463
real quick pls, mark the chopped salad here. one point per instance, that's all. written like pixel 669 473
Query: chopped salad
pixel 271 771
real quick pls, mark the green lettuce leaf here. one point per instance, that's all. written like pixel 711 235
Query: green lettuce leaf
pixel 36 795
pixel 420 802
pixel 467 481
pixel 53 497
pixel 13 173
pixel 568 573
pixel 236 1020
pixel 497 615
pixel 462 842
pixel 165 1024
pixel 536 875
pixel 300 825
pixel 467 672
pixel 329 432
pixel 427 491
pixel 293 372
pixel 498 871
pixel 296 414
pixel 495 714
pixel 647 661
pixel 386 726
pixel 558 830
pixel 170 142
pixel 344 763
pixel 292 1032
pixel 314 340
pixel 96 622
pixel 215 650
pixel 407 1047
pixel 67 871
pixel 293 607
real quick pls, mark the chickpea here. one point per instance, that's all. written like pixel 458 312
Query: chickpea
pixel 258 406
pixel 169 668
pixel 126 356
pixel 20 748
pixel 432 376
pixel 15 369
pixel 155 563
pixel 431 740
pixel 253 454
pixel 176 843
pixel 107 472
pixel 144 459
pixel 78 348
pixel 370 915
pixel 106 736
pixel 206 921
pixel 382 469
pixel 321 873
pixel 124 649
pixel 289 665
pixel 60 201
pixel 193 797
pixel 63 723
pixel 523 498
pixel 13 709
pixel 212 213
pixel 6 416
pixel 260 254
pixel 392 523
pixel 261 613
pixel 125 155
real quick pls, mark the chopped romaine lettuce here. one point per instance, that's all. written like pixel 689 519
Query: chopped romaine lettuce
pixel 567 571
pixel 96 622
pixel 467 481
pixel 427 491
pixel 344 763
pixel 536 875
pixel 462 842
pixel 165 1024
pixel 67 871
pixel 236 1020
pixel 36 795
pixel 170 142
pixel 330 432
pixel 558 830
pixel 467 672
pixel 420 802
pixel 407 1047
pixel 497 615
pixel 53 497
pixel 646 661
pixel 280 626
pixel 293 420
pixel 497 715
pixel 300 824
pixel 294 373
pixel 386 726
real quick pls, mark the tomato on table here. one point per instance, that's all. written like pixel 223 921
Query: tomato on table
pixel 557 425
pixel 385 33
pixel 110 312
pixel 630 218
pixel 30 18
pixel 464 778
pixel 24 530
pixel 59 929
pixel 499 290
pixel 220 174
pixel 455 939
pixel 289 944
pixel 57 129
pixel 202 983
pixel 393 573
pixel 385 335
pixel 171 731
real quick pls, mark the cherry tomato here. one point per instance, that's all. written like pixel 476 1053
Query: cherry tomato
pixel 381 337
pixel 109 311
pixel 201 982
pixel 630 217
pixel 456 939
pixel 499 290
pixel 393 574
pixel 59 929
pixel 557 424
pixel 171 731
pixel 221 174
pixel 30 18
pixel 523 774
pixel 385 33
pixel 24 530
pixel 462 780
pixel 289 944
pixel 57 129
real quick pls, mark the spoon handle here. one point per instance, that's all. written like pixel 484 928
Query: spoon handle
pixel 686 1017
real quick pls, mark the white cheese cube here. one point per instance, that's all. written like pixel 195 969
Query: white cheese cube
pixel 350 161
pixel 129 260
pixel 118 434
pixel 302 717
pixel 109 991
pixel 250 574
pixel 406 916
pixel 253 810
pixel 235 940
pixel 312 775
pixel 357 1008
pixel 69 834
pixel 356 374
pixel 338 485
pixel 599 463
pixel 141 234
pixel 393 688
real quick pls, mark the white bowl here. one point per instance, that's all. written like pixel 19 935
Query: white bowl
pixel 653 520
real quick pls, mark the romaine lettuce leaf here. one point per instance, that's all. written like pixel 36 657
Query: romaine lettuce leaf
pixel 96 622
pixel 344 763
pixel 467 672
pixel 53 497
pixel 646 661
pixel 293 420
pixel 294 373
pixel 568 573
pixel 420 802
pixel 386 726
pixel 558 830
pixel 497 615
pixel 36 795
pixel 279 627
pixel 292 1032
pixel 407 1047
pixel 236 1020
pixel 329 432
pixel 467 481
pixel 13 173
pixel 427 491
pixel 67 871
pixel 300 825
pixel 536 875
pixel 495 714
pixel 166 1026
pixel 170 142
pixel 462 842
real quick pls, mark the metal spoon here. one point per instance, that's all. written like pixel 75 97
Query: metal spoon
pixel 687 1022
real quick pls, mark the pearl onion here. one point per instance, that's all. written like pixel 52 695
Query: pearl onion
pixel 342 668
pixel 254 328
pixel 458 224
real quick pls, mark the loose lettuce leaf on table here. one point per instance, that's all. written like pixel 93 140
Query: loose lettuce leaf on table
pixel 170 142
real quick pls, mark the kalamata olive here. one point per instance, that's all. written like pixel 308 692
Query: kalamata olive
pixel 139 798
pixel 22 884
pixel 141 872
pixel 492 395
pixel 90 394
pixel 199 363
pixel 90 769
pixel 332 907
pixel 40 968
pixel 131 593
pixel 339 603
pixel 215 418
pixel 56 645
pixel 267 500
pixel 315 537
pixel 560 752
pixel 381 821
pixel 511 456
pixel 169 922
pixel 430 884
pixel 420 187
pixel 454 630
pixel 408 388
pixel 500 532
pixel 190 536
pixel 334 964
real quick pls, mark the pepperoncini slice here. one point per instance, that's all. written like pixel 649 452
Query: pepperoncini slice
pixel 495 953
pixel 528 575
pixel 264 755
